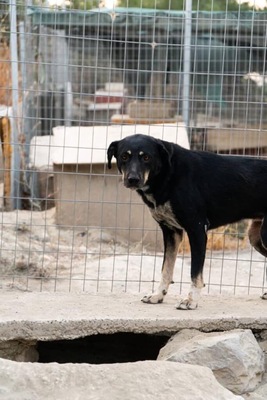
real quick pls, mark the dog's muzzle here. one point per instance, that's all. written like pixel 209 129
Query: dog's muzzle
pixel 133 180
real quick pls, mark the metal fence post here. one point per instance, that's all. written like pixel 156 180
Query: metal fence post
pixel 187 63
pixel 15 163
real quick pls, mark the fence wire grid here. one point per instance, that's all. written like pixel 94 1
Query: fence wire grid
pixel 71 82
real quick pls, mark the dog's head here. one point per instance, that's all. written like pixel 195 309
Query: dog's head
pixel 139 159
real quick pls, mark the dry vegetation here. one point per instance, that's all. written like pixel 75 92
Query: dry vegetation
pixel 228 237
pixel 5 75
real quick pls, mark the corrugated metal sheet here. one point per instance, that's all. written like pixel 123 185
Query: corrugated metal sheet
pixel 142 20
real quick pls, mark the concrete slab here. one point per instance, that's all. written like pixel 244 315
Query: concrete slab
pixel 41 151
pixel 140 380
pixel 52 316
pixel 88 145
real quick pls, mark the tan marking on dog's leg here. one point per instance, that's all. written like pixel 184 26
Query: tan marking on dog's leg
pixel 166 274
pixel 191 301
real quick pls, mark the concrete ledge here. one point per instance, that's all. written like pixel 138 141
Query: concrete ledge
pixel 52 316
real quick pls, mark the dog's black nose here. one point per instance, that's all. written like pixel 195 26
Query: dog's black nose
pixel 133 180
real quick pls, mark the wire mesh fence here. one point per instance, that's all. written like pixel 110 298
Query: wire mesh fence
pixel 72 81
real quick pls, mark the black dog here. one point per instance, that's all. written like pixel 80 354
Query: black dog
pixel 193 191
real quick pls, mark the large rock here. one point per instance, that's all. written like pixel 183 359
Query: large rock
pixel 235 357
pixel 263 346
pixel 260 393
pixel 133 381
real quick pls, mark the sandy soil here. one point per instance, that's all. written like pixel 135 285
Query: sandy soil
pixel 36 255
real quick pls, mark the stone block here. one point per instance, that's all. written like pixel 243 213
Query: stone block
pixel 235 357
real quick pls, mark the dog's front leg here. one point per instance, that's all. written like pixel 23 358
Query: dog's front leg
pixel 198 242
pixel 172 239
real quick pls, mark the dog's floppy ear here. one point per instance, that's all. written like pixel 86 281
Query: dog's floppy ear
pixel 166 151
pixel 112 152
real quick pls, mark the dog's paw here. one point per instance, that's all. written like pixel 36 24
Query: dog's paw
pixel 153 298
pixel 264 296
pixel 186 304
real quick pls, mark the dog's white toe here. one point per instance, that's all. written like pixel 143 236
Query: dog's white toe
pixel 152 299
pixel 186 304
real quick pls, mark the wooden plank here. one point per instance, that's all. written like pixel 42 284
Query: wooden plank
pixel 224 139
pixel 5 134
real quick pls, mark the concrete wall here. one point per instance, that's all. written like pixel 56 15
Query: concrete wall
pixel 86 197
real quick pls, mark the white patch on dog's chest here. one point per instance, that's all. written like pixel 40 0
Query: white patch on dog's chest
pixel 164 214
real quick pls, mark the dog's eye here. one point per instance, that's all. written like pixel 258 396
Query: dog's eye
pixel 125 157
pixel 146 157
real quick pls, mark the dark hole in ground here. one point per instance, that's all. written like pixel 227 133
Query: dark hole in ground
pixel 102 349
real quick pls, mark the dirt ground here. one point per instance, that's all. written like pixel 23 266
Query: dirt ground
pixel 36 255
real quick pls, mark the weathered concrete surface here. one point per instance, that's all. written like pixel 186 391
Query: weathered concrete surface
pixel 19 350
pixel 51 316
pixel 135 381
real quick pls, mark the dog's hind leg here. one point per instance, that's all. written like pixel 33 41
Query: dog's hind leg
pixel 172 239
pixel 198 241
pixel 264 234
pixel 257 234
pixel 264 244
